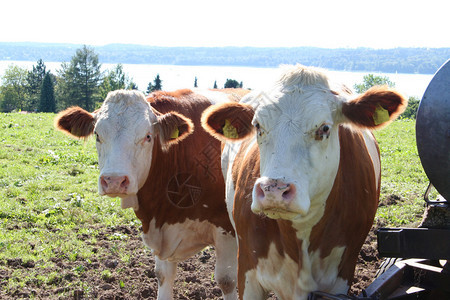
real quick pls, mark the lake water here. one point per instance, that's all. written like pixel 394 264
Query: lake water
pixel 176 77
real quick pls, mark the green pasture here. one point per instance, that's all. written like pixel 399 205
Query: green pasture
pixel 48 196
pixel 48 192
pixel 403 179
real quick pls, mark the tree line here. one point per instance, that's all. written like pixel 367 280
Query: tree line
pixel 79 82
pixel 401 60
pixel 82 83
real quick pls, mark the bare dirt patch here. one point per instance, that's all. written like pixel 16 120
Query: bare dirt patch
pixel 130 275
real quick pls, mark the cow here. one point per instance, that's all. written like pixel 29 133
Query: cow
pixel 151 157
pixel 302 175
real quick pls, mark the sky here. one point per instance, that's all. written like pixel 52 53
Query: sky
pixel 212 23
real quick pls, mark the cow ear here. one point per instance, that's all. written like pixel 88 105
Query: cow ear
pixel 173 128
pixel 76 122
pixel 228 121
pixel 376 108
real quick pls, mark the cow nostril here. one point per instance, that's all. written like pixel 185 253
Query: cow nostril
pixel 289 193
pixel 259 191
pixel 125 183
pixel 104 181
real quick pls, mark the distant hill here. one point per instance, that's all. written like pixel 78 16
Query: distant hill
pixel 401 60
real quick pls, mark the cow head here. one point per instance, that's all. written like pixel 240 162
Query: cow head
pixel 125 128
pixel 296 127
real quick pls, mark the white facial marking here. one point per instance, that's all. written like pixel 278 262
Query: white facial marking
pixel 124 134
pixel 299 146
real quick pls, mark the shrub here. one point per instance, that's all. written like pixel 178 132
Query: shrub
pixel 411 110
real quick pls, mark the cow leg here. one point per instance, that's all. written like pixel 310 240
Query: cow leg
pixel 226 265
pixel 249 286
pixel 165 272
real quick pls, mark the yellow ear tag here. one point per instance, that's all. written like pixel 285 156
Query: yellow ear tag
pixel 175 133
pixel 229 131
pixel 380 115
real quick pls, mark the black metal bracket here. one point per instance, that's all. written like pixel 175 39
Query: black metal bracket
pixel 411 279
pixel 414 243
pixel 317 295
pixel 431 202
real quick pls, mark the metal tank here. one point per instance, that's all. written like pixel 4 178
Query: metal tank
pixel 433 131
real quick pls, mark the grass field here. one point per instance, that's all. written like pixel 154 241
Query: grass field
pixel 403 180
pixel 48 196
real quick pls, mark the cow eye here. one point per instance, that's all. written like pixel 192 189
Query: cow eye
pixel 148 138
pixel 258 129
pixel 97 137
pixel 323 132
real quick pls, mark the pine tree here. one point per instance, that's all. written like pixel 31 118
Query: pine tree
pixel 47 95
pixel 81 79
pixel 157 83
pixel 155 86
pixel 195 82
pixel 34 80
pixel 149 88
pixel 215 84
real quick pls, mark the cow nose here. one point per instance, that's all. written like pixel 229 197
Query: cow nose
pixel 273 190
pixel 115 184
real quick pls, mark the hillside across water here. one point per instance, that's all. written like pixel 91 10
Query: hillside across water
pixel 397 60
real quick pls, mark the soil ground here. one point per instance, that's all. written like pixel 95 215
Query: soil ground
pixel 105 276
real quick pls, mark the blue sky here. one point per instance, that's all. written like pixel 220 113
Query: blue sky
pixel 278 23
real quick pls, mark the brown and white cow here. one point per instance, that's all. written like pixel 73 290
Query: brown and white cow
pixel 176 188
pixel 302 175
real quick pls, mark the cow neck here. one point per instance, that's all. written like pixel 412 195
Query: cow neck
pixel 351 205
pixel 198 158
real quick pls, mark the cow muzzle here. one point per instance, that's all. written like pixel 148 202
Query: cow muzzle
pixel 277 199
pixel 119 186
pixel 114 186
